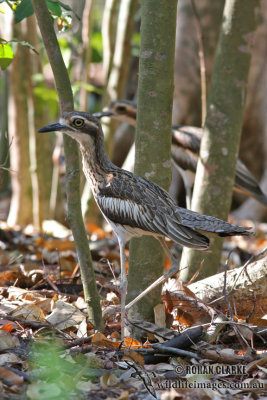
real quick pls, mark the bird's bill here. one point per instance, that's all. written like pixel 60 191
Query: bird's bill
pixel 52 128
pixel 103 114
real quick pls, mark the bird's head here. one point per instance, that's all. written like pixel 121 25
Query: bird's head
pixel 81 126
pixel 122 110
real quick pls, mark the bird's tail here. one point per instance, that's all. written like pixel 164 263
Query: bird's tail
pixel 186 236
pixel 207 223
pixel 246 183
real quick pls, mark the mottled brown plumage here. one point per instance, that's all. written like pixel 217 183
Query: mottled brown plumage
pixel 133 205
pixel 185 151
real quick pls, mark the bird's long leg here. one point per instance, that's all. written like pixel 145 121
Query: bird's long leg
pixel 123 284
pixel 174 268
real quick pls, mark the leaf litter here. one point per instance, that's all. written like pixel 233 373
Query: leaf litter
pixel 49 349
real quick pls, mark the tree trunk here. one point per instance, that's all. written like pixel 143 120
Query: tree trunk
pixel 120 63
pixel 89 207
pixel 187 92
pixel 187 89
pixel 41 147
pixel 253 148
pixel 72 165
pixel 220 144
pixel 4 150
pixel 87 29
pixel 122 52
pixel 6 33
pixel 153 138
pixel 21 201
pixel 108 29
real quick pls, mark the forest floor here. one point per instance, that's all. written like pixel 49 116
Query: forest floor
pixel 49 350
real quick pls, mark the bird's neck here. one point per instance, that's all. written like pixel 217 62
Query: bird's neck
pixel 96 164
pixel 131 118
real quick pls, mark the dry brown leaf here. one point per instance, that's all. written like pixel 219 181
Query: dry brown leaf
pixel 131 343
pixel 94 229
pixel 12 377
pixel 182 303
pixel 11 276
pixel 8 327
pixel 15 293
pixel 101 340
pixel 108 379
pixel 7 341
pixel 124 395
pixel 30 312
pixel 254 364
pixel 134 356
pixel 46 305
pixel 184 319
pixel 65 316
pixel 55 244
pixel 147 345
pixel 10 358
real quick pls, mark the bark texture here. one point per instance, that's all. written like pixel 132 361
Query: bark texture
pixel 21 207
pixel 122 51
pixel 153 137
pixel 253 147
pixel 245 288
pixel 120 63
pixel 41 147
pixel 4 159
pixel 108 29
pixel 72 164
pixel 187 93
pixel 220 144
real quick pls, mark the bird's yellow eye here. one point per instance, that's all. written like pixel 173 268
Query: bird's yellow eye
pixel 78 122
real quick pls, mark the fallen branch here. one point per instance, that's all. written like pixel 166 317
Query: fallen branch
pixel 245 288
pixel 222 355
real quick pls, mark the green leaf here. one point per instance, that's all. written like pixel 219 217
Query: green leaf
pixel 45 93
pixel 47 96
pixel 65 6
pixel 54 7
pixel 97 46
pixel 24 10
pixel 88 87
pixel 6 55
